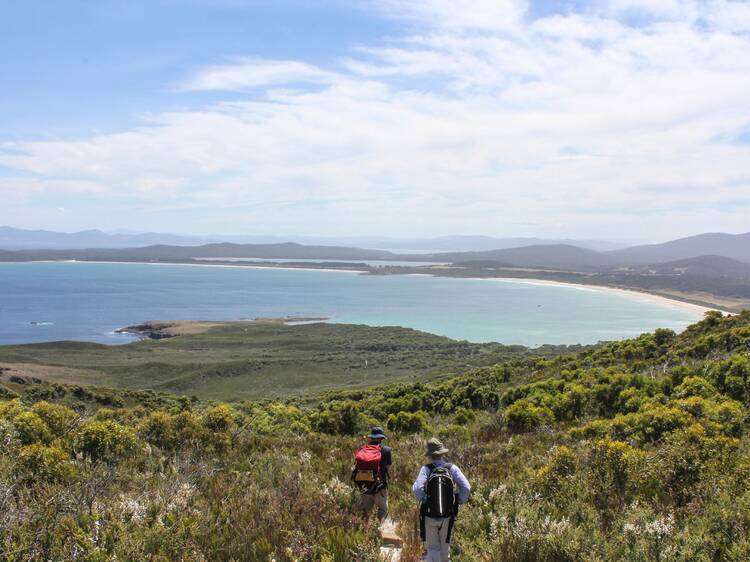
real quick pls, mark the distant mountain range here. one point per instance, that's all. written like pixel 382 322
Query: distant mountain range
pixel 708 256
pixel 287 250
pixel 473 243
pixel 735 246
pixel 20 239
pixel 555 256
pixel 705 266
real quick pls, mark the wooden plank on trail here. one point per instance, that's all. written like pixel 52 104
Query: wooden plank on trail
pixel 392 542
pixel 391 539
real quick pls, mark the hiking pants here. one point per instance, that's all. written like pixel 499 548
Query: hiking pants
pixel 436 531
pixel 379 499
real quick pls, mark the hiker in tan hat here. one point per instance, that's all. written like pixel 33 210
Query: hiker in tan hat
pixel 440 488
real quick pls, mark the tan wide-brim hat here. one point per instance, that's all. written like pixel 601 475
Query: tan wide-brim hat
pixel 435 447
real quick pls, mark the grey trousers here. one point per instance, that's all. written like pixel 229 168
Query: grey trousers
pixel 379 499
pixel 436 531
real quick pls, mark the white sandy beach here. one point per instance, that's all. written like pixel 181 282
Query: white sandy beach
pixel 632 293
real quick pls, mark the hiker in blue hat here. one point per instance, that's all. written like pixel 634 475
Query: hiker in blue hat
pixel 370 474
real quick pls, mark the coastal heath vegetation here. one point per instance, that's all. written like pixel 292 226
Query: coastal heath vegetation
pixel 261 359
pixel 635 450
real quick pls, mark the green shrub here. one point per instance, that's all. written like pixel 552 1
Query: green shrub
pixel 523 416
pixel 650 423
pixel 725 416
pixel 58 418
pixel 454 431
pixel 31 428
pixel 342 545
pixel 691 457
pixel 407 422
pixel 110 414
pixel 104 440
pixel 732 377
pixel 11 408
pixel 41 463
pixel 695 386
pixel 278 418
pixel 158 429
pixel 7 394
pixel 464 416
pixel 220 418
pixel 341 417
pixel 617 474
pixel 187 429
pixel 560 466
pixel 572 403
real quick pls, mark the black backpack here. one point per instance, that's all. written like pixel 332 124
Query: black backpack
pixel 440 490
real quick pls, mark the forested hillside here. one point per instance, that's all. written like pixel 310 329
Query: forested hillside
pixel 634 450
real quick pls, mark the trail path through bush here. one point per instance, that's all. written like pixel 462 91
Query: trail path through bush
pixel 392 542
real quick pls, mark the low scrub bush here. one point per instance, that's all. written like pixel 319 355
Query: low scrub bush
pixel 630 451
pixel 31 428
pixel 407 422
pixel 104 440
pixel 523 416
pixel 39 463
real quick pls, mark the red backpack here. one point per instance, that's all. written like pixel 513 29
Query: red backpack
pixel 366 473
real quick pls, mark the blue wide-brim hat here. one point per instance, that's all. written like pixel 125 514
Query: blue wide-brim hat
pixel 377 433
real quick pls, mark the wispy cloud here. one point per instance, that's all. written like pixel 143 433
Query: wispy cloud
pixel 478 118
pixel 452 15
pixel 248 73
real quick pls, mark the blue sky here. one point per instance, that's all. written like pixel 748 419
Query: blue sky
pixel 80 67
pixel 410 118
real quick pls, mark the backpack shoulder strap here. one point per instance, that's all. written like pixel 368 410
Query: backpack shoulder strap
pixel 448 465
pixel 430 467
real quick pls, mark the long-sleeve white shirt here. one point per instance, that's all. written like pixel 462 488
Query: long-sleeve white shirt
pixel 464 488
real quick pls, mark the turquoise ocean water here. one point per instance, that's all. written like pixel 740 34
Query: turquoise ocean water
pixel 87 301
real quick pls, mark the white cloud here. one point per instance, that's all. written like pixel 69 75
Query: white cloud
pixel 452 15
pixel 26 188
pixel 246 74
pixel 479 119
pixel 673 9
pixel 731 16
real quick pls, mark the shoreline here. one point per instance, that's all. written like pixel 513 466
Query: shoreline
pixel 642 295
pixel 165 329
pixel 654 297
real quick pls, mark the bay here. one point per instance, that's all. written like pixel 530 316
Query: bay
pixel 88 301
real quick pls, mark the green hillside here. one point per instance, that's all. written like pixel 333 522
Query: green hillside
pixel 241 360
pixel 632 451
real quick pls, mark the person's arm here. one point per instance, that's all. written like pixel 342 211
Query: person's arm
pixel 464 488
pixel 386 461
pixel 419 484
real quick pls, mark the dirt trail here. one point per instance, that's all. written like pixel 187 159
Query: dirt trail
pixel 391 549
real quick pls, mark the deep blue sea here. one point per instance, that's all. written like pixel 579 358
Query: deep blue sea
pixel 88 301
